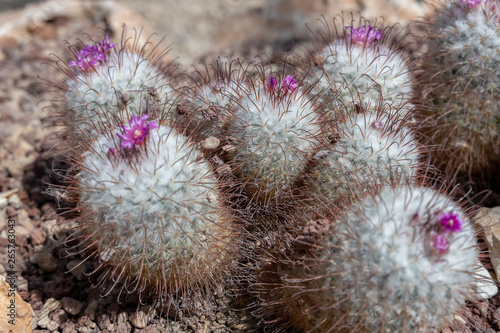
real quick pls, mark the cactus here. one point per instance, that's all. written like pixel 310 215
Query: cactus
pixel 107 84
pixel 459 81
pixel 278 130
pixel 362 67
pixel 151 211
pixel 370 149
pixel 400 260
pixel 206 108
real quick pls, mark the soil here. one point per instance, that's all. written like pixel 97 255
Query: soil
pixel 54 282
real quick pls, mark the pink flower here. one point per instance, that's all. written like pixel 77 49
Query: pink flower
pixel 472 3
pixel 289 84
pixel 451 222
pixel 364 35
pixel 271 83
pixel 136 133
pixel 440 244
pixel 91 56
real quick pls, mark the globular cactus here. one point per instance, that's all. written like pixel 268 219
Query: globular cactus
pixel 369 148
pixel 460 80
pixel 277 126
pixel 205 107
pixel 151 213
pixel 401 259
pixel 363 67
pixel 108 83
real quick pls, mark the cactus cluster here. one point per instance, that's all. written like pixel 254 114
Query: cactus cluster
pixel 150 210
pixel 315 181
pixel 459 82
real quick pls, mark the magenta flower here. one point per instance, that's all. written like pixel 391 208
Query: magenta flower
pixel 364 35
pixel 440 244
pixel 272 83
pixel 91 56
pixel 136 133
pixel 451 222
pixel 289 84
pixel 472 3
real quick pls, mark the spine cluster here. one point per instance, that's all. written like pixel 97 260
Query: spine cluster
pixel 459 83
pixel 319 173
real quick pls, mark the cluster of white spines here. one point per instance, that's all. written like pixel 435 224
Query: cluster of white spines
pixel 372 149
pixel 277 132
pixel 121 81
pixel 356 69
pixel 463 42
pixel 471 35
pixel 403 259
pixel 170 190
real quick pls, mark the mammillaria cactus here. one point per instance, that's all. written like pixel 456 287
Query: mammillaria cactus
pixel 400 260
pixel 278 128
pixel 206 108
pixel 108 82
pixel 151 211
pixel 460 81
pixel 361 67
pixel 370 148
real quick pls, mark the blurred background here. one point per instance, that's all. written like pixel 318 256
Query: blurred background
pixel 197 28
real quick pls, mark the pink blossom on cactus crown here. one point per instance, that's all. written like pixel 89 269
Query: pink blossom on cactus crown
pixel 289 84
pixel 440 244
pixel 472 3
pixel 136 133
pixel 364 35
pixel 91 56
pixel 451 222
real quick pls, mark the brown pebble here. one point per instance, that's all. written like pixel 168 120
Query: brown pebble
pixel 38 236
pixel 46 261
pixel 59 316
pixel 11 211
pixel 71 305
pixel 138 319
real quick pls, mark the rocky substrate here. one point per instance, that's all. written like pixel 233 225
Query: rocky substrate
pixel 54 292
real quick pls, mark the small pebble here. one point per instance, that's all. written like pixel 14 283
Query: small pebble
pixel 138 319
pixel 46 261
pixel 91 309
pixel 50 305
pixel 38 236
pixel 15 201
pixel 3 203
pixel 71 305
pixel 485 286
